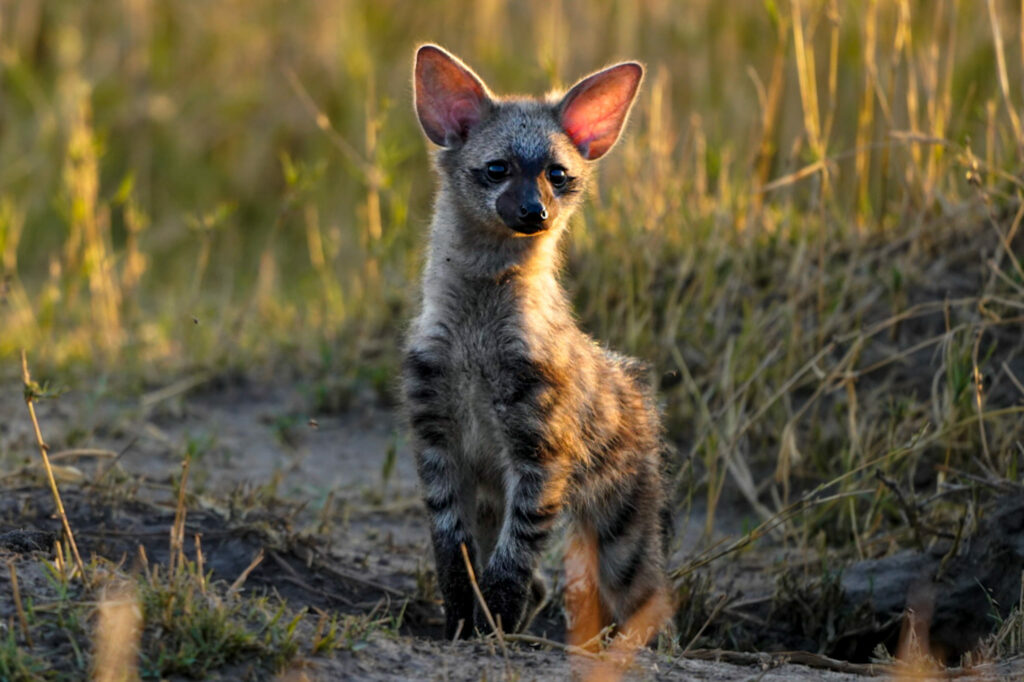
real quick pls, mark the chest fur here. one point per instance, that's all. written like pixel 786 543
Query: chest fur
pixel 478 340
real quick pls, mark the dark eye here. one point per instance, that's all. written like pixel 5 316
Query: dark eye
pixel 497 170
pixel 557 176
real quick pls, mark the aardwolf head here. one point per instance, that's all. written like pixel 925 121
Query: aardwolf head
pixel 517 166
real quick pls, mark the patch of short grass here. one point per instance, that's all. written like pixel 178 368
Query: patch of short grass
pixel 190 624
pixel 192 628
pixel 17 664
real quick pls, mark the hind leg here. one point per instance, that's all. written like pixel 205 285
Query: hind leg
pixel 585 612
pixel 631 557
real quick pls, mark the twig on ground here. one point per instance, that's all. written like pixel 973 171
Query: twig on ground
pixel 200 573
pixel 483 604
pixel 16 592
pixel 240 580
pixel 979 398
pixel 82 452
pixel 177 388
pixel 113 462
pixel 294 578
pixel 30 395
pixel 178 527
pixel 807 658
pixel 345 575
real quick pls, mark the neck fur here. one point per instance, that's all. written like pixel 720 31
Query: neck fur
pixel 461 247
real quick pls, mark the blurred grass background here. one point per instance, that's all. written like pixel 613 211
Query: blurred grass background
pixel 811 228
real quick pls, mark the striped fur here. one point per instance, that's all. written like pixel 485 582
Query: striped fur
pixel 518 417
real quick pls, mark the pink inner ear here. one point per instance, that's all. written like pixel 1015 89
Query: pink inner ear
pixel 463 114
pixel 595 110
pixel 597 120
pixel 449 98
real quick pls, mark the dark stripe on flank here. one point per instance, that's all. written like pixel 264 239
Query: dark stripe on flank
pixel 431 468
pixel 422 367
pixel 431 427
pixel 438 505
pixel 613 529
pixel 632 567
pixel 528 382
pixel 532 536
pixel 530 445
pixel 601 457
pixel 530 378
pixel 536 517
pixel 423 393
pixel 667 529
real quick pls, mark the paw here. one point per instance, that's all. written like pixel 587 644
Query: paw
pixel 506 599
pixel 458 616
pixel 457 627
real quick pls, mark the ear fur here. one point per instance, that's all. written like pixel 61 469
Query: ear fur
pixel 594 111
pixel 450 98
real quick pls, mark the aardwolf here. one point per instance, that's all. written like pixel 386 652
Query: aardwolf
pixel 518 416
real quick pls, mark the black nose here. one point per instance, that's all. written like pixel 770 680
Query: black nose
pixel 532 212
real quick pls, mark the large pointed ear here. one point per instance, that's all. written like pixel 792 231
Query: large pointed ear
pixel 593 112
pixel 450 98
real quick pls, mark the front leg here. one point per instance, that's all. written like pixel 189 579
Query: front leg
pixel 448 532
pixel 509 585
pixel 425 391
